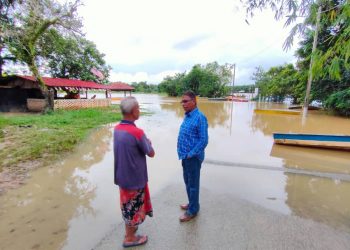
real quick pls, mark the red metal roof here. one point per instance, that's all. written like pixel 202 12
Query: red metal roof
pixel 63 82
pixel 120 86
pixel 73 83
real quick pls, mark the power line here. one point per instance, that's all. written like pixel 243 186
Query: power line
pixel 244 60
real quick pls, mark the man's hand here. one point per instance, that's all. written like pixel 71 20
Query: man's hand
pixel 152 153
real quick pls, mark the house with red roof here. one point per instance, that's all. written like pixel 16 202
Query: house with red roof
pixel 18 93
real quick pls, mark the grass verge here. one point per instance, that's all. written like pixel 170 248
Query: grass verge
pixel 41 138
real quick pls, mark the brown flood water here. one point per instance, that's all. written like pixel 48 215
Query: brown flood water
pixel 73 204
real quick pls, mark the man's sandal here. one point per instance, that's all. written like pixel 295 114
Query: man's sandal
pixel 140 240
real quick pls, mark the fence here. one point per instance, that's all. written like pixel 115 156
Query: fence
pixel 81 103
pixel 38 105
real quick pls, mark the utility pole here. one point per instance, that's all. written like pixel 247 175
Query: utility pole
pixel 309 80
pixel 233 77
pixel 233 83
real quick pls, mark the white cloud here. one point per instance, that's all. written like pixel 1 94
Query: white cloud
pixel 145 40
pixel 141 76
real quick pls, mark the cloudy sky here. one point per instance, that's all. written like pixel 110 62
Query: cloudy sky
pixel 148 40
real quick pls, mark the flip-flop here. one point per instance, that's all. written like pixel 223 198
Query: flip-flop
pixel 140 240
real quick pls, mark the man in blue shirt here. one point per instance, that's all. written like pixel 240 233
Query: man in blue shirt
pixel 191 142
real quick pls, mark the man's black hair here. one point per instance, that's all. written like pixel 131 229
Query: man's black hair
pixel 190 94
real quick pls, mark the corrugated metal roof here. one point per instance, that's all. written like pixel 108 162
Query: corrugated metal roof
pixel 73 83
pixel 120 86
pixel 63 82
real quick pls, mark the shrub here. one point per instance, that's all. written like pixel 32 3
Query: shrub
pixel 339 102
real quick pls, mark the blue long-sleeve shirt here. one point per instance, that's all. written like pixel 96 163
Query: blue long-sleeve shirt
pixel 193 135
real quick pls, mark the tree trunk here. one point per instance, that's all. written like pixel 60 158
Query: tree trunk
pixel 1 59
pixel 1 63
pixel 48 94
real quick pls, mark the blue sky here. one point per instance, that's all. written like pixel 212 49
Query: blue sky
pixel 148 40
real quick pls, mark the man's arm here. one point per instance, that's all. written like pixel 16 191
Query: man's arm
pixel 146 146
pixel 151 153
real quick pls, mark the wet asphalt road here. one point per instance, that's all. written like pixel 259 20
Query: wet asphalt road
pixel 226 222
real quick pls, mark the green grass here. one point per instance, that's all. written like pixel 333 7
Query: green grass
pixel 32 137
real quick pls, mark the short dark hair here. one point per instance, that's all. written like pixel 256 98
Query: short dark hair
pixel 190 94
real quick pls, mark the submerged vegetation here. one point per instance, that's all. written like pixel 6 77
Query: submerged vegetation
pixel 25 138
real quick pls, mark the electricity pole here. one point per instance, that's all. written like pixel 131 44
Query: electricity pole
pixel 233 77
pixel 233 83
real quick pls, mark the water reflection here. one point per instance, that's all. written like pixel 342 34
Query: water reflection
pixel 217 113
pixel 320 199
pixel 316 122
pixel 38 214
pixel 309 158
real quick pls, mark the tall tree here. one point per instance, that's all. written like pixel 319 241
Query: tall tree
pixel 31 20
pixel 336 13
pixel 224 72
pixel 143 87
pixel 74 57
pixel 324 85
pixel 258 74
pixel 5 20
pixel 278 82
pixel 173 85
pixel 208 80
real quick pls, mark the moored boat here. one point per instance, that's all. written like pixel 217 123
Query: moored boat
pixel 237 99
pixel 277 111
pixel 300 107
pixel 217 99
pixel 313 140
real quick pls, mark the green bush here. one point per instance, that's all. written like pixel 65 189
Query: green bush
pixel 339 102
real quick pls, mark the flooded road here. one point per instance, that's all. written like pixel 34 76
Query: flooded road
pixel 73 204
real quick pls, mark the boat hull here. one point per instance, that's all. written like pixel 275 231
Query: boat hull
pixel 217 99
pixel 300 107
pixel 237 99
pixel 341 142
pixel 277 111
